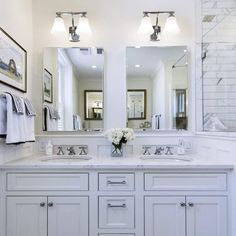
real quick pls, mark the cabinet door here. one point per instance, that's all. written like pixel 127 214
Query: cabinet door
pixel 68 216
pixel 164 216
pixel 26 216
pixel 207 216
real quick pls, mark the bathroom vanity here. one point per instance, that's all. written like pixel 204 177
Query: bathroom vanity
pixel 115 197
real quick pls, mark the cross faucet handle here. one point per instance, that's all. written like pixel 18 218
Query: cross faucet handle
pixel 60 151
pixel 146 150
pixel 168 150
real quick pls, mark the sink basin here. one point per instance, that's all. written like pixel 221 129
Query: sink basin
pixel 164 158
pixel 66 158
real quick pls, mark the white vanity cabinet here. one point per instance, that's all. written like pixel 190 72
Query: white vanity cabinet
pixel 191 216
pixel 116 202
pixel 38 204
pixel 42 216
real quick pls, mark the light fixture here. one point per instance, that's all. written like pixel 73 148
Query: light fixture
pixel 137 66
pixel 146 27
pixel 83 26
pixel 94 67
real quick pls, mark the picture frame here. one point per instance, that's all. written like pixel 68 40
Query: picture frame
pixel 93 104
pixel 47 86
pixel 136 101
pixel 13 63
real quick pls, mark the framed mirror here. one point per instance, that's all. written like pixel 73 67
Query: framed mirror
pixel 162 72
pixel 76 103
pixel 136 99
pixel 93 104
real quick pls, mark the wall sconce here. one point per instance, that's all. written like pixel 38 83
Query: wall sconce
pixel 75 31
pixel 146 27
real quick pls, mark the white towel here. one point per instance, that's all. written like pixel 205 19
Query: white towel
pixel 49 124
pixel 15 124
pixel 77 122
pixel 28 124
pixel 3 115
pixel 154 122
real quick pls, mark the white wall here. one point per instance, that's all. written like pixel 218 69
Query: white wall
pixel 16 20
pixel 114 26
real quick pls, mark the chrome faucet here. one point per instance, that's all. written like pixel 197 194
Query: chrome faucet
pixel 159 150
pixel 71 151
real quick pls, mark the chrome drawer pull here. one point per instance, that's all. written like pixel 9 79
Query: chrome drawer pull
pixel 191 204
pixel 50 204
pixel 111 182
pixel 42 204
pixel 113 206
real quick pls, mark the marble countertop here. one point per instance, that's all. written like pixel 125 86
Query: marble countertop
pixel 130 162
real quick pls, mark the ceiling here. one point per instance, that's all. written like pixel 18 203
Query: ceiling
pixel 84 58
pixel 149 58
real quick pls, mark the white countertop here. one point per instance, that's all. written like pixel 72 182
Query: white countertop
pixel 131 162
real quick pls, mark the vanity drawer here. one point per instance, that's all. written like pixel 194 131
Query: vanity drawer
pixel 116 212
pixel 198 181
pixel 116 181
pixel 116 235
pixel 47 181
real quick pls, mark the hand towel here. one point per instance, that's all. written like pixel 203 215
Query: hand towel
pixel 29 109
pixel 15 123
pixel 17 104
pixel 77 122
pixel 3 115
pixel 49 123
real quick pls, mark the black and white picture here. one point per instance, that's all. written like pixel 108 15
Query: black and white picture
pixel 13 62
pixel 47 86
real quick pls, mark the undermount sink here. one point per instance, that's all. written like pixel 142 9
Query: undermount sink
pixel 166 158
pixel 64 158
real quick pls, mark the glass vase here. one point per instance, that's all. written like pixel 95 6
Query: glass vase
pixel 116 151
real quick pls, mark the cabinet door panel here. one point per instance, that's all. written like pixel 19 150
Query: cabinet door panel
pixel 25 216
pixel 164 216
pixel 207 216
pixel 68 216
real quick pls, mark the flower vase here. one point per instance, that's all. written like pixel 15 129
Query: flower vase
pixel 116 151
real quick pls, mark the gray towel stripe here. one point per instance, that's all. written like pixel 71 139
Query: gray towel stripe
pixel 30 111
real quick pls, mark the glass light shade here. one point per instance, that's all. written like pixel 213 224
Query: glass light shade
pixel 83 26
pixel 146 26
pixel 58 25
pixel 171 26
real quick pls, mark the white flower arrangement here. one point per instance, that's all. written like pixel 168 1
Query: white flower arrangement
pixel 118 136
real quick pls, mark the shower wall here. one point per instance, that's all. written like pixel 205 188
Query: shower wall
pixel 219 62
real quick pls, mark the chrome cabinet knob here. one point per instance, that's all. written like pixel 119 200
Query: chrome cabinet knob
pixel 191 204
pixel 50 204
pixel 42 204
pixel 183 204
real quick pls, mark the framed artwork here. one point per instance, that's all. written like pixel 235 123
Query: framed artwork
pixel 136 100
pixel 13 63
pixel 93 104
pixel 47 86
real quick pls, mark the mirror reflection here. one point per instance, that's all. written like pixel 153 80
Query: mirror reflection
pixel 162 72
pixel 73 89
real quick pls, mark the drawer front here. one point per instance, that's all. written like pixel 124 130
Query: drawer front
pixel 47 181
pixel 116 235
pixel 204 182
pixel 116 182
pixel 116 212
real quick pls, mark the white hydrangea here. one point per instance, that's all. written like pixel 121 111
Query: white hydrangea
pixel 116 135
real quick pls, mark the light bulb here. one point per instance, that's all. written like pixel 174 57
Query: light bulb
pixel 171 26
pixel 83 26
pixel 146 26
pixel 58 25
